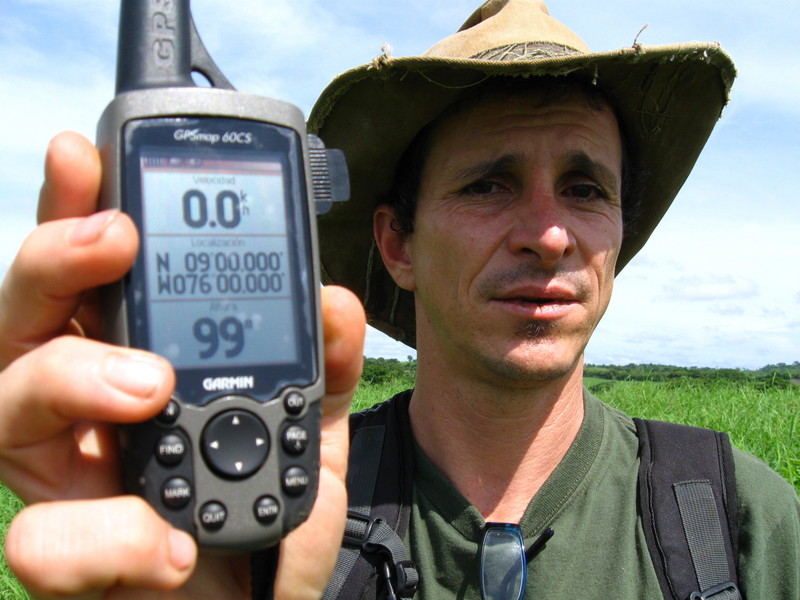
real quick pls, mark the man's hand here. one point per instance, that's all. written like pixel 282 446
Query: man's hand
pixel 60 391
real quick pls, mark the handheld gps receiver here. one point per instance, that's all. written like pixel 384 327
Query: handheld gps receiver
pixel 223 187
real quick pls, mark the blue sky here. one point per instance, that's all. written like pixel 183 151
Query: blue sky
pixel 717 285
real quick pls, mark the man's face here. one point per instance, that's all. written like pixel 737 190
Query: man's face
pixel 516 235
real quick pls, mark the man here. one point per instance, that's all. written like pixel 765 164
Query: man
pixel 514 174
pixel 510 215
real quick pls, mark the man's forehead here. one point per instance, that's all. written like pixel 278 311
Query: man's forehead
pixel 537 92
pixel 505 109
pixel 494 115
pixel 498 122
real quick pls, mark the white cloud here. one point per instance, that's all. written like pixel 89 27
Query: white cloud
pixel 379 344
pixel 712 287
pixel 728 310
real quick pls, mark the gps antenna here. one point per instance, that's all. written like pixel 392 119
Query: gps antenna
pixel 159 47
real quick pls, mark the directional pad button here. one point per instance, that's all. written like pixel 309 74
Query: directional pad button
pixel 235 444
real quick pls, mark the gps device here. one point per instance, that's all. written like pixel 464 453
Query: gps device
pixel 223 188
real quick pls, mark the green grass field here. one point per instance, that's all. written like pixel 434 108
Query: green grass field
pixel 764 422
pixel 10 589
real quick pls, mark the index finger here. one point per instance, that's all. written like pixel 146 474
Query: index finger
pixel 56 265
pixel 72 175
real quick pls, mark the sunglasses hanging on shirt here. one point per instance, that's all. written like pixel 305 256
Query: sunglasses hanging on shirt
pixel 504 560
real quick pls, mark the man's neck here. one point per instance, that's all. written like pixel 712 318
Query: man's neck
pixel 497 446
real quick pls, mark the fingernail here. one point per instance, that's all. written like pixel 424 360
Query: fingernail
pixel 135 374
pixel 182 550
pixel 90 228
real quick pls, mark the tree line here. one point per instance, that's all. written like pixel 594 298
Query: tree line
pixel 383 370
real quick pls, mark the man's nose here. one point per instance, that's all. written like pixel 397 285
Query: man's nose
pixel 541 228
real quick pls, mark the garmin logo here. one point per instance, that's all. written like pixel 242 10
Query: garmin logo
pixel 216 384
pixel 200 136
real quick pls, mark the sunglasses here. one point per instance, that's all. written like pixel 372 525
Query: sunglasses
pixel 504 560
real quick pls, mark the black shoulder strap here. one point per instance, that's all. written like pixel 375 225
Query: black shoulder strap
pixel 378 515
pixel 688 504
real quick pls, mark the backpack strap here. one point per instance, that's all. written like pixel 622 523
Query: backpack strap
pixel 378 516
pixel 688 505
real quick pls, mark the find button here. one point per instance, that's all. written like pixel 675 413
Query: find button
pixel 170 449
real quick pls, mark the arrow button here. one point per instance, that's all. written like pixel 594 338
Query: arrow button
pixel 235 444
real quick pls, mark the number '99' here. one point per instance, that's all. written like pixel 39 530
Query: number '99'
pixel 230 330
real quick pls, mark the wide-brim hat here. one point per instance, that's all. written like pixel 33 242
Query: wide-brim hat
pixel 667 99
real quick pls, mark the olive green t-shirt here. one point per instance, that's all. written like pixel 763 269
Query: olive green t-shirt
pixel 598 549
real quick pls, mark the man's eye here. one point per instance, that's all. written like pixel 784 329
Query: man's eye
pixel 586 192
pixel 483 187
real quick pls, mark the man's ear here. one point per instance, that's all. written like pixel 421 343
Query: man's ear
pixel 392 243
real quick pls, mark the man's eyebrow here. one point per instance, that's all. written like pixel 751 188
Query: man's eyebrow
pixel 488 167
pixel 583 163
pixel 577 161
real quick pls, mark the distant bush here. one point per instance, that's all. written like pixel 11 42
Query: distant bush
pixel 778 376
pixel 384 370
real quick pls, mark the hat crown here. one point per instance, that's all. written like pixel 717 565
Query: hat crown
pixel 524 26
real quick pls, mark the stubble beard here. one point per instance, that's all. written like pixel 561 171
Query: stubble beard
pixel 532 333
pixel 537 330
pixel 527 370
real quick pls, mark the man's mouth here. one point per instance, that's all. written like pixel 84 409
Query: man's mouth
pixel 539 295
pixel 538 303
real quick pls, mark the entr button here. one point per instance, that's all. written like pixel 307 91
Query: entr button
pixel 266 510
pixel 235 444
pixel 176 493
pixel 295 481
